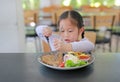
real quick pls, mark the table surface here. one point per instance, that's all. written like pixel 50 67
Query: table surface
pixel 25 68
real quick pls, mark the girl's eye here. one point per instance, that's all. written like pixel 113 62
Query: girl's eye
pixel 70 31
pixel 62 31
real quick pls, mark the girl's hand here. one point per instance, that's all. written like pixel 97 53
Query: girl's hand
pixel 61 46
pixel 47 31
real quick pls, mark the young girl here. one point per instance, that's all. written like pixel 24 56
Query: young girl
pixel 70 26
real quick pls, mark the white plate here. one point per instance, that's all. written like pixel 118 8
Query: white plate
pixel 67 68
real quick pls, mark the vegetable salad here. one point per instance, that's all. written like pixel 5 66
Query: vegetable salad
pixel 74 59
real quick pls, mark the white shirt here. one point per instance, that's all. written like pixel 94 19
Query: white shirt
pixel 84 45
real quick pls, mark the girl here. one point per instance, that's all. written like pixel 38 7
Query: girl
pixel 70 26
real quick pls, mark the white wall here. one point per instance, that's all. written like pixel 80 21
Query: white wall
pixel 12 34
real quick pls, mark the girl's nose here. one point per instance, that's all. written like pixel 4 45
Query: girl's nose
pixel 65 34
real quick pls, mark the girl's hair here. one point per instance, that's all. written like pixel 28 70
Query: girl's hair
pixel 75 18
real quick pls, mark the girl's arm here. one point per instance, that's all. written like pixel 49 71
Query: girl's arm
pixel 83 46
pixel 39 30
pixel 43 31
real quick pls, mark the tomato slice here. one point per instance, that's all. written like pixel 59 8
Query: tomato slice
pixel 62 64
pixel 84 56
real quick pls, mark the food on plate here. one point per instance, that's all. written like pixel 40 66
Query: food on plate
pixel 62 64
pixel 72 59
pixel 68 59
pixel 84 57
pixel 52 59
pixel 80 55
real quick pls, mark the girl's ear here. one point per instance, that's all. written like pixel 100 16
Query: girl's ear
pixel 81 30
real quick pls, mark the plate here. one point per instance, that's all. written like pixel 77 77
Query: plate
pixel 92 58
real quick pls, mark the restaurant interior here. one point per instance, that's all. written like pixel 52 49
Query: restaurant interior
pixel 101 17
pixel 25 57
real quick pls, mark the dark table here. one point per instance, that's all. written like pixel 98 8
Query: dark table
pixel 25 68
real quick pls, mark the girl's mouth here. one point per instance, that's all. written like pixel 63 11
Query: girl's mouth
pixel 67 40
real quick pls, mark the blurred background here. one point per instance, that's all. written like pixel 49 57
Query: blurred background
pixel 19 18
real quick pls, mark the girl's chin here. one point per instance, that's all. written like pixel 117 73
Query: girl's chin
pixel 67 41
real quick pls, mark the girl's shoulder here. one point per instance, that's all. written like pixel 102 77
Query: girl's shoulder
pixel 84 39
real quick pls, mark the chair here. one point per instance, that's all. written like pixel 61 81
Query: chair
pixel 116 32
pixel 31 16
pixel 49 9
pixel 30 33
pixel 90 35
pixel 90 9
pixel 103 26
pixel 56 13
pixel 114 11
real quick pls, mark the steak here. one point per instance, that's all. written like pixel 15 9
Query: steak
pixel 52 59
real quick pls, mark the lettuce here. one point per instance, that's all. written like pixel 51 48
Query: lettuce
pixel 70 63
pixel 80 63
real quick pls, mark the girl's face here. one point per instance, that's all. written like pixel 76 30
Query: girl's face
pixel 68 31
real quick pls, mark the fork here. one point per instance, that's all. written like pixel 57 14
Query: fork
pixel 47 38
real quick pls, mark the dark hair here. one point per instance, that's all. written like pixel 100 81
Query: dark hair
pixel 75 18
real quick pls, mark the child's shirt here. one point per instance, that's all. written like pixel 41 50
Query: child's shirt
pixel 84 45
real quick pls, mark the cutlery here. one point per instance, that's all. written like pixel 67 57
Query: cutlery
pixel 47 38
